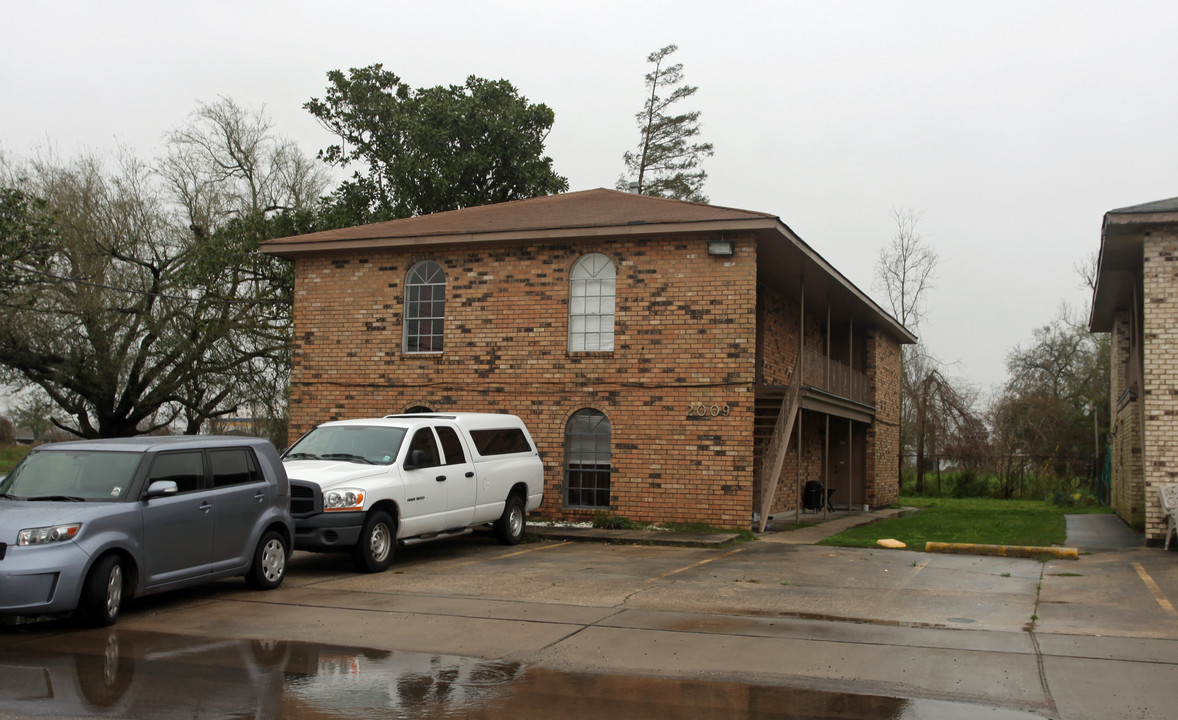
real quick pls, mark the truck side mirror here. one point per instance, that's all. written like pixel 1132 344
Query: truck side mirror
pixel 417 459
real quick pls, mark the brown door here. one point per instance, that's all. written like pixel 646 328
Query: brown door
pixel 848 460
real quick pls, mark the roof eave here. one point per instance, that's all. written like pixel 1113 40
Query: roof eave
pixel 897 330
pixel 766 225
pixel 1121 237
pixel 295 246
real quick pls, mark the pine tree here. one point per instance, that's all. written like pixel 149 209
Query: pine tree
pixel 667 162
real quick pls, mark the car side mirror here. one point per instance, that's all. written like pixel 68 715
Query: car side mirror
pixel 162 488
pixel 417 459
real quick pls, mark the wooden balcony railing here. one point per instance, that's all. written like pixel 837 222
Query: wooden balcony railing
pixel 832 376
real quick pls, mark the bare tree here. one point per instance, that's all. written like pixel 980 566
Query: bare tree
pixel 226 162
pixel 942 417
pixel 906 269
pixel 136 311
pixel 1088 269
pixel 239 184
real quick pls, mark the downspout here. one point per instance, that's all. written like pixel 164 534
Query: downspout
pixel 800 369
pixel 826 433
pixel 851 423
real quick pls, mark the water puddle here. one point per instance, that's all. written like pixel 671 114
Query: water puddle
pixel 115 673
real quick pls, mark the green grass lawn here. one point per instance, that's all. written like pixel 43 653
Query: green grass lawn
pixel 970 520
pixel 10 455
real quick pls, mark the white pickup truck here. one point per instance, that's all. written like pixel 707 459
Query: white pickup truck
pixel 365 486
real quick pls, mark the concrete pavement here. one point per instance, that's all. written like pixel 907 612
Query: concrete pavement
pixel 1093 638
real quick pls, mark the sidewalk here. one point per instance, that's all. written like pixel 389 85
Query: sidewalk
pixel 782 530
pixel 1091 533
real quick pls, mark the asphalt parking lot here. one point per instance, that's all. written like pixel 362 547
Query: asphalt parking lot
pixel 1095 637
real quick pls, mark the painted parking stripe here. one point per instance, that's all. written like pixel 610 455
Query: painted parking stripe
pixel 904 581
pixel 694 565
pixel 1153 588
pixel 448 568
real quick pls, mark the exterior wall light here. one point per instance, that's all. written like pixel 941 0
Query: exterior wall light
pixel 720 248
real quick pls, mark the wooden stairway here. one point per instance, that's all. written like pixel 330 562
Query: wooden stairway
pixel 773 457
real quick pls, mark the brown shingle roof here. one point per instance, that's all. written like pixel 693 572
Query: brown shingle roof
pixel 782 257
pixel 584 210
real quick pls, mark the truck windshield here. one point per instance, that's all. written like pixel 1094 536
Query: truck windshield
pixel 354 443
pixel 73 475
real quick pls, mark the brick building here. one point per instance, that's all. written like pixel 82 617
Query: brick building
pixel 1136 299
pixel 650 345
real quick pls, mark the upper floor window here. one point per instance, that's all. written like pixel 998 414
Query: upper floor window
pixel 592 289
pixel 425 308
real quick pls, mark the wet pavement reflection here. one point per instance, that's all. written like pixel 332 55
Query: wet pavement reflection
pixel 114 673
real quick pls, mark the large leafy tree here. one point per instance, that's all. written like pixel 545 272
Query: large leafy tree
pixel 1049 410
pixel 133 295
pixel 667 161
pixel 431 149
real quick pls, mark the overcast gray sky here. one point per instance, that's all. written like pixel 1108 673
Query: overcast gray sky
pixel 1012 127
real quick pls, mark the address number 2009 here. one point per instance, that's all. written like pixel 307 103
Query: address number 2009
pixel 697 409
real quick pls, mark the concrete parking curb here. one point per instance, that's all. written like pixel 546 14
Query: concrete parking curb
pixel 1025 551
pixel 634 537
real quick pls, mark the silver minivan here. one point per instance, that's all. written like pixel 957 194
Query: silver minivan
pixel 85 525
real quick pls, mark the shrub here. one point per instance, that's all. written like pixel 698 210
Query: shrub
pixel 605 521
pixel 969 484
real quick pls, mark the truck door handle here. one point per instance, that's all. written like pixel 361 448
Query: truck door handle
pixel 440 478
pixel 470 474
pixel 205 507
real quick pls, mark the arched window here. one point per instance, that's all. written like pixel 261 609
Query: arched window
pixel 425 308
pixel 587 460
pixel 592 288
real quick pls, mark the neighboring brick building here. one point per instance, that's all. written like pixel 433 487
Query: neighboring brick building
pixel 1136 299
pixel 647 343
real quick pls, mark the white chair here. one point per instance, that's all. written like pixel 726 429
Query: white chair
pixel 1169 497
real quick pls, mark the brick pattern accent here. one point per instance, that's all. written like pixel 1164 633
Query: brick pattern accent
pixel 1128 488
pixel 684 333
pixel 883 437
pixel 1160 391
pixel 789 489
pixel 1121 345
pixel 1128 472
pixel 778 321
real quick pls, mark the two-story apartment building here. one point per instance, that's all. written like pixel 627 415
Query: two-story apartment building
pixel 1136 299
pixel 650 345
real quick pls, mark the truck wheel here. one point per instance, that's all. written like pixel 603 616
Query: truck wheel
pixel 374 551
pixel 102 594
pixel 509 528
pixel 269 565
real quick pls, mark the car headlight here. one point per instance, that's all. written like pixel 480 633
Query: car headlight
pixel 345 499
pixel 44 535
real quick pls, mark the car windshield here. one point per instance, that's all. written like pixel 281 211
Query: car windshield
pixel 362 444
pixel 71 476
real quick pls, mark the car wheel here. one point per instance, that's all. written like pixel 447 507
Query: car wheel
pixel 509 528
pixel 269 565
pixel 378 538
pixel 102 593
